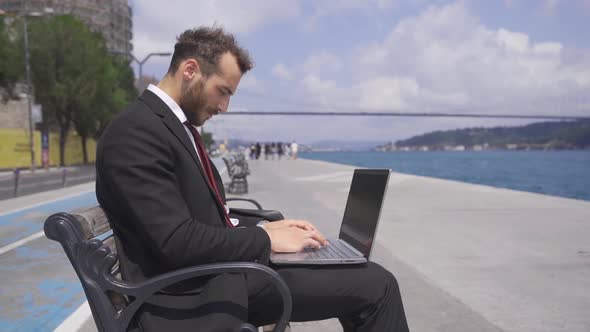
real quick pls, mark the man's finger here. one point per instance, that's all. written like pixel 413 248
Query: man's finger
pixel 311 243
pixel 303 224
pixel 319 237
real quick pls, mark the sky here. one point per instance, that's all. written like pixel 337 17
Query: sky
pixel 469 56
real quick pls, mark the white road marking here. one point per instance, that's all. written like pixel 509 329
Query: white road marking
pixel 21 242
pixel 75 321
pixel 46 201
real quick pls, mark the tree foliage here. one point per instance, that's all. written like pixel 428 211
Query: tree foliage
pixel 123 92
pixel 207 139
pixel 76 80
pixel 11 58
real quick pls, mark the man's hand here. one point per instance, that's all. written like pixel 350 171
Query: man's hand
pixel 293 235
pixel 303 224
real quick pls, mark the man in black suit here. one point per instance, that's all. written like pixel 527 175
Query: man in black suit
pixel 166 204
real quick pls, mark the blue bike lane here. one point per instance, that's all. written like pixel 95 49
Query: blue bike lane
pixel 38 286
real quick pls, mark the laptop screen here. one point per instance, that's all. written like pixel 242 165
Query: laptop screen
pixel 363 208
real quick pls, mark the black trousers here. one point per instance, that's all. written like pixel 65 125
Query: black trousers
pixel 363 297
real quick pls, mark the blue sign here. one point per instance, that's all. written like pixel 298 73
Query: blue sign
pixel 45 148
pixel 44 139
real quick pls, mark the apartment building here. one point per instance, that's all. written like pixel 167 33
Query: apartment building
pixel 113 18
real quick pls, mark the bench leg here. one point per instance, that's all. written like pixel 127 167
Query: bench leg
pixel 232 186
pixel 269 328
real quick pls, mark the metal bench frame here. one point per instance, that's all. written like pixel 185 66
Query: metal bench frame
pixel 114 302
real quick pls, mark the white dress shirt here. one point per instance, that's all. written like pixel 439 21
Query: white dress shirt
pixel 182 118
pixel 177 111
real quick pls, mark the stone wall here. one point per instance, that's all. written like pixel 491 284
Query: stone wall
pixel 14 114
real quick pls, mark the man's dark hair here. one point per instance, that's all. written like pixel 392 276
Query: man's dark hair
pixel 207 45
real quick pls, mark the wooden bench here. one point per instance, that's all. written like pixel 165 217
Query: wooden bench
pixel 87 240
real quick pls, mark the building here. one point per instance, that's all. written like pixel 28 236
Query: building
pixel 113 18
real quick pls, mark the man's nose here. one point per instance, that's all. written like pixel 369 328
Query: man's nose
pixel 223 106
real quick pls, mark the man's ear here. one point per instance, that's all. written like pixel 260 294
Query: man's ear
pixel 190 69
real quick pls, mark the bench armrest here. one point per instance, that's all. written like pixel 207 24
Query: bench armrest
pixel 143 290
pixel 258 205
pixel 270 215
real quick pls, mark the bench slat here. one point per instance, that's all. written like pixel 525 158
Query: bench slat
pixel 93 221
pixel 110 242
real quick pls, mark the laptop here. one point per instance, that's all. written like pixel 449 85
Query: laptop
pixel 358 228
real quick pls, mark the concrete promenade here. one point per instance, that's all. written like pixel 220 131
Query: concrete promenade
pixel 467 257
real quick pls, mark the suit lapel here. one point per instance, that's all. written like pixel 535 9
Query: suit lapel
pixel 219 181
pixel 177 128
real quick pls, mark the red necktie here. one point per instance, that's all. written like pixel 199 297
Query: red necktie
pixel 207 168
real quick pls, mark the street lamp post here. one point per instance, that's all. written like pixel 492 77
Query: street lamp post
pixel 140 63
pixel 29 92
pixel 24 16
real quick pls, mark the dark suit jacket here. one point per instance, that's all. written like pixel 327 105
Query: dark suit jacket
pixel 164 213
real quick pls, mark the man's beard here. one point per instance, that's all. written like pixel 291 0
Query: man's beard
pixel 193 101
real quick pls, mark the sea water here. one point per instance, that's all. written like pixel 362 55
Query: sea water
pixel 558 173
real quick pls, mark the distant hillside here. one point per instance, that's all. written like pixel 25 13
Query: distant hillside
pixel 342 145
pixel 542 135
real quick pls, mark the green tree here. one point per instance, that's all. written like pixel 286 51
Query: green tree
pixel 11 57
pixel 123 93
pixel 207 138
pixel 125 77
pixel 95 96
pixel 57 47
pixel 75 78
pixel 107 93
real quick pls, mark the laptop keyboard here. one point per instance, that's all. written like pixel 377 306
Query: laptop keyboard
pixel 334 250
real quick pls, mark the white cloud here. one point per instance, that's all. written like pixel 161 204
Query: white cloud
pixel 314 83
pixel 156 24
pixel 325 8
pixel 548 7
pixel 549 49
pixel 373 54
pixel 445 58
pixel 281 71
pixel 321 61
pixel 250 83
pixel 324 90
pixel 388 93
pixel 512 41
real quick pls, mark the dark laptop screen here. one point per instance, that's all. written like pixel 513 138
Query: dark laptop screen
pixel 363 208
